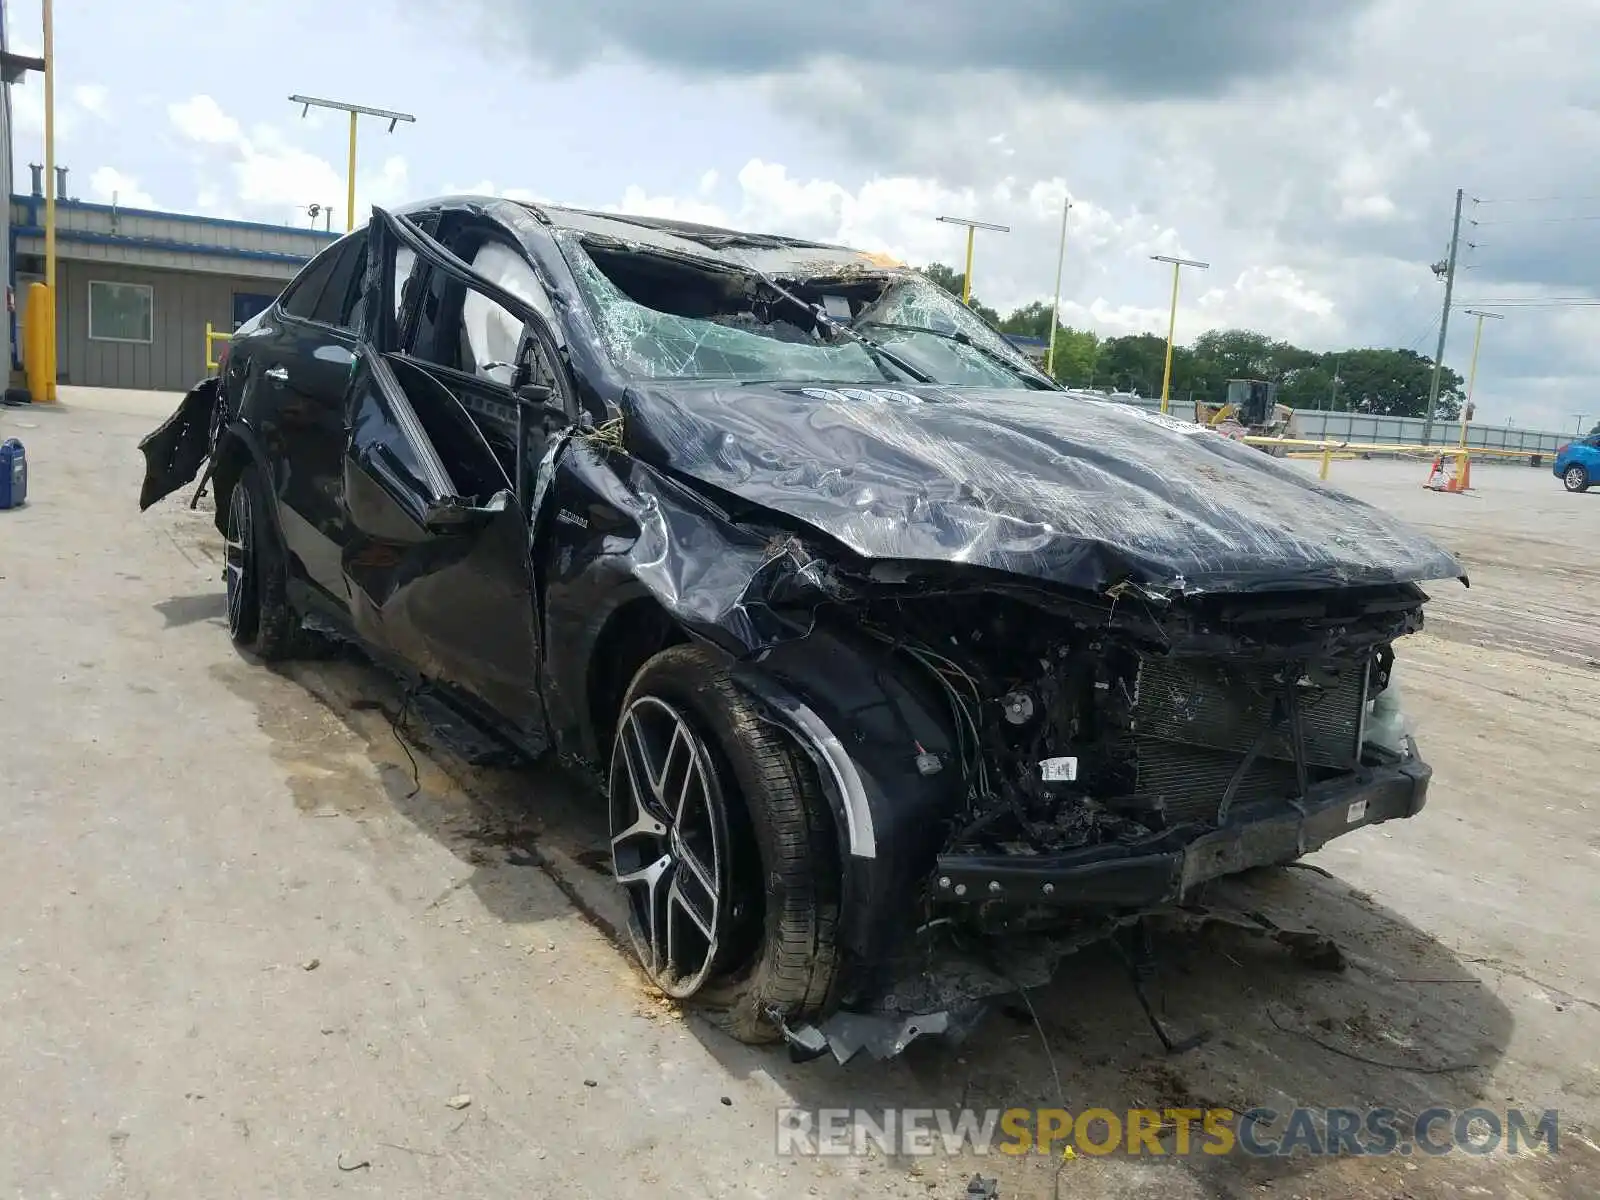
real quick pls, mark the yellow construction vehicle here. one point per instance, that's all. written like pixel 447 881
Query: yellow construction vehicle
pixel 1251 410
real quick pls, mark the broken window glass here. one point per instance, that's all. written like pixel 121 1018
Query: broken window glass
pixel 668 316
pixel 919 321
pixel 678 320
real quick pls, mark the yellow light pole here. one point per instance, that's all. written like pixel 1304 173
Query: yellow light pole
pixel 355 111
pixel 1472 372
pixel 1055 311
pixel 1172 322
pixel 966 280
pixel 49 315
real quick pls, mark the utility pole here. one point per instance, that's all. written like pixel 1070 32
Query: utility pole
pixel 1444 320
pixel 355 110
pixel 966 280
pixel 1055 312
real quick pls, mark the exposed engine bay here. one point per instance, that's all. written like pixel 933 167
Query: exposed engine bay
pixel 1093 735
pixel 1076 730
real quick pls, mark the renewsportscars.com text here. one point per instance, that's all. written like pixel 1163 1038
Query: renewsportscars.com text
pixel 1257 1132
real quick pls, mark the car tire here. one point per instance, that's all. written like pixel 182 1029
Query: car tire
pixel 260 618
pixel 686 730
pixel 1575 479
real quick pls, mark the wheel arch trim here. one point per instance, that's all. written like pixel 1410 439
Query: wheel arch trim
pixel 847 793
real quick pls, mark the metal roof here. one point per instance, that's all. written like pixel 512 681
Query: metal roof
pixel 736 248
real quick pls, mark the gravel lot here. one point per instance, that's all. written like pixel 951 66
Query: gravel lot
pixel 247 949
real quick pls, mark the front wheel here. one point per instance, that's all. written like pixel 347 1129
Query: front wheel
pixel 259 615
pixel 724 845
pixel 1575 479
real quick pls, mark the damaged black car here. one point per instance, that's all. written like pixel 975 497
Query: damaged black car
pixel 888 656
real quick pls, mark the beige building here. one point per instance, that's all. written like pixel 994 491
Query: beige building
pixel 135 289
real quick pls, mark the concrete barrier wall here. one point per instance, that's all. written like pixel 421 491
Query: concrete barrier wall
pixel 1362 427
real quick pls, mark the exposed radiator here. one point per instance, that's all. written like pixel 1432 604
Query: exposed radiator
pixel 1195 720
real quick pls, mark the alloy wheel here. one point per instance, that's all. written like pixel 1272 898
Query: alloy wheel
pixel 669 838
pixel 1574 478
pixel 237 550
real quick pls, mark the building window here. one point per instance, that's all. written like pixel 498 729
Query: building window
pixel 247 305
pixel 120 312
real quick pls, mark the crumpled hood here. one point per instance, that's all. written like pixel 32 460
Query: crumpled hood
pixel 1050 485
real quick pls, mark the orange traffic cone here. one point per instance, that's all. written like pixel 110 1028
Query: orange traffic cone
pixel 1456 476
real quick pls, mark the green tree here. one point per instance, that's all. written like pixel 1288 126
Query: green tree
pixel 1135 362
pixel 945 277
pixel 1077 358
pixel 1394 383
pixel 1237 353
pixel 1031 320
pixel 1386 382
pixel 1077 350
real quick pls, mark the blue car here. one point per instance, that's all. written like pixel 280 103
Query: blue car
pixel 1578 463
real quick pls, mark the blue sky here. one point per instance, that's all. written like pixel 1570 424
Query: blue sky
pixel 1310 153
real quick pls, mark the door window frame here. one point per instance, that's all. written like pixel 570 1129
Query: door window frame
pixel 359 243
pixel 434 256
pixel 303 280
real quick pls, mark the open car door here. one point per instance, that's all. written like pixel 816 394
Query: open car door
pixel 436 555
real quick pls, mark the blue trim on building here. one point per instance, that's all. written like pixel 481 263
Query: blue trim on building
pixel 91 237
pixel 35 203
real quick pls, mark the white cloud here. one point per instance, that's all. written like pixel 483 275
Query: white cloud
pixel 274 178
pixel 487 187
pixel 109 185
pixel 27 107
pixel 92 98
pixel 1105 250
pixel 201 119
pixel 1319 186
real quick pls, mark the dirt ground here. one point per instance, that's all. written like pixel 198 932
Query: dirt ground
pixel 249 947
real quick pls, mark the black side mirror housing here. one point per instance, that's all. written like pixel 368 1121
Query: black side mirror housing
pixel 536 395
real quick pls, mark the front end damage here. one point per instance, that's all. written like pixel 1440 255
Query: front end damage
pixel 1024 753
pixel 1035 769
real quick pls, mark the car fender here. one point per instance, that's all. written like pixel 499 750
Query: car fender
pixel 238 445
pixel 610 530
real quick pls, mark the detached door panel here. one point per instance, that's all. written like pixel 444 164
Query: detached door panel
pixel 436 561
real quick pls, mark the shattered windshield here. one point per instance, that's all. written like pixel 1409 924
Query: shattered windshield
pixel 666 316
pixel 918 320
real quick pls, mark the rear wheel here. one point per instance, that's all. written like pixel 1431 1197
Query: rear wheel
pixel 259 616
pixel 724 846
pixel 1575 479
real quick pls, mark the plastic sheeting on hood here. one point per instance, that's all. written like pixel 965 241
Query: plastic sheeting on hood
pixel 1051 485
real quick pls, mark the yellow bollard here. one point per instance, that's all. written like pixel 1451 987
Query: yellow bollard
pixel 212 337
pixel 1327 457
pixel 38 322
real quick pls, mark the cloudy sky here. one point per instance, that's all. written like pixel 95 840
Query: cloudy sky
pixel 1309 151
